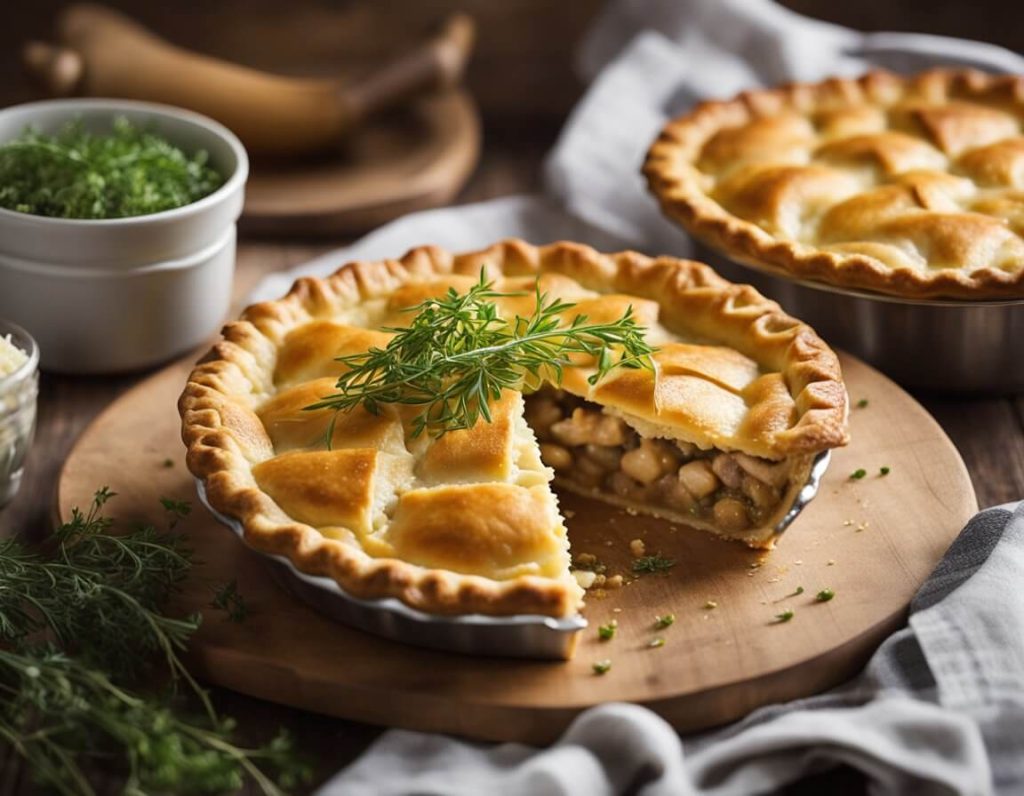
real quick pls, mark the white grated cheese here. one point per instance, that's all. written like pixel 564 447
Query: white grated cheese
pixel 11 357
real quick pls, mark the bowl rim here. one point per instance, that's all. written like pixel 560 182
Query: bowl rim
pixel 235 181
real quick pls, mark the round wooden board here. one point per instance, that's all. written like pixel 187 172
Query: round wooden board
pixel 873 541
pixel 408 160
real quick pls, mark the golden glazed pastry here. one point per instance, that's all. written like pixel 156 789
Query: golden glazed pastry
pixel 908 186
pixel 720 437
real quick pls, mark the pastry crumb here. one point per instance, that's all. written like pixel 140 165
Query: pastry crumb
pixel 614 582
pixel 637 548
pixel 584 578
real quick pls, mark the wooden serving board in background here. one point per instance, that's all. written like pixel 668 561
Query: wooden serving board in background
pixel 397 163
pixel 873 541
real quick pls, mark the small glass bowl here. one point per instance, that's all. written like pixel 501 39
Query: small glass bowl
pixel 18 391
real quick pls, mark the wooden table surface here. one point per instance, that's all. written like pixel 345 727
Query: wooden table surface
pixel 989 433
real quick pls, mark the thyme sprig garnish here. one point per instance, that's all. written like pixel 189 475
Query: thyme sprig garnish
pixel 458 354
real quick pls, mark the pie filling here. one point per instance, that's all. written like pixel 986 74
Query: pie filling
pixel 595 451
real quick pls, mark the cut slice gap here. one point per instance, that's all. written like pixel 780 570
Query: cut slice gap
pixel 598 454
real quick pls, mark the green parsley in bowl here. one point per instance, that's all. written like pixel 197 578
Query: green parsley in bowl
pixel 129 170
pixel 117 229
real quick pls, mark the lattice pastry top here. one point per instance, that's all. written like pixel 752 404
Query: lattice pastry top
pixel 907 186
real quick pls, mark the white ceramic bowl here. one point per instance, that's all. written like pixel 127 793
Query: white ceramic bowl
pixel 121 294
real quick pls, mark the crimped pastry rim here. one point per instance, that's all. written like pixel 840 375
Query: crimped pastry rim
pixel 682 199
pixel 233 367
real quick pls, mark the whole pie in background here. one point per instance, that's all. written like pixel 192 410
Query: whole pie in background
pixel 720 434
pixel 908 186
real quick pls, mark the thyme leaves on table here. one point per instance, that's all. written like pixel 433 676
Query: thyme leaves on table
pixel 80 630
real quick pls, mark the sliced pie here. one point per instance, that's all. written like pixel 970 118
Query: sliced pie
pixel 908 186
pixel 719 435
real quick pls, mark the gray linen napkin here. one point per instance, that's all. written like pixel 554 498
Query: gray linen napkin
pixel 940 708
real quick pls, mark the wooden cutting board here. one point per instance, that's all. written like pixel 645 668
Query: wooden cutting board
pixel 397 163
pixel 873 541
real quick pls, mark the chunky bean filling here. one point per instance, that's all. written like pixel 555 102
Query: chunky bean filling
pixel 598 451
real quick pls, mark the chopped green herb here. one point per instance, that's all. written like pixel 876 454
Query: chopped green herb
pixel 646 564
pixel 824 595
pixel 607 632
pixel 602 667
pixel 75 173
pixel 856 475
pixel 799 590
pixel 661 622
pixel 656 642
pixel 168 463
pixel 228 599
pixel 884 471
pixel 862 403
pixel 785 616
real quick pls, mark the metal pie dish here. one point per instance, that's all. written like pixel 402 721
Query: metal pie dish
pixel 941 345
pixel 523 636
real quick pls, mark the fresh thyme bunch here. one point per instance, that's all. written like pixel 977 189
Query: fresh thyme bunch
pixel 458 354
pixel 130 171
pixel 77 629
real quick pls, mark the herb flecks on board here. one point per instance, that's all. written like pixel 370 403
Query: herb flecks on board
pixel 458 355
pixel 76 173
pixel 650 564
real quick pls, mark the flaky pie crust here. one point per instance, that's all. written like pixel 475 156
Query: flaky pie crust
pixel 225 439
pixel 909 186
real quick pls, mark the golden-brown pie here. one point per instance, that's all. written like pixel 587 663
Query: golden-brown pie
pixel 908 186
pixel 720 435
